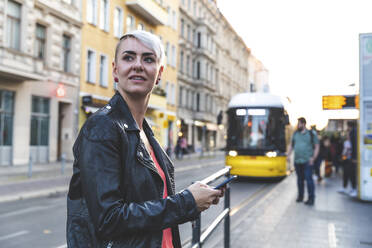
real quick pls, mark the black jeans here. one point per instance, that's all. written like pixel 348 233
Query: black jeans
pixel 349 173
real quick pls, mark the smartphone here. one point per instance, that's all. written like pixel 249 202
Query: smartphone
pixel 225 182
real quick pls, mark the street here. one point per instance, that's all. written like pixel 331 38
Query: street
pixel 40 222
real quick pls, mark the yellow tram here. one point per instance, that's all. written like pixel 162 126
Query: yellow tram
pixel 256 135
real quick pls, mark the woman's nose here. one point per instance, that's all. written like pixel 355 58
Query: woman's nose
pixel 137 66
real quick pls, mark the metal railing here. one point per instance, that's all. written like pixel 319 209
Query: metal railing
pixel 198 238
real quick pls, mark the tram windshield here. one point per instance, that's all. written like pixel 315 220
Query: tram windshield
pixel 256 129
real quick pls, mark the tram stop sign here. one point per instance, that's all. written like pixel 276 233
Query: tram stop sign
pixel 340 102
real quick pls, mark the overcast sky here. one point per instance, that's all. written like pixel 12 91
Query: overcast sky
pixel 309 47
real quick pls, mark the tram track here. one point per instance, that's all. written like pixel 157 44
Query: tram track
pixel 248 204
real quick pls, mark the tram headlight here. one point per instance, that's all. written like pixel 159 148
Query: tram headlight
pixel 271 154
pixel 233 153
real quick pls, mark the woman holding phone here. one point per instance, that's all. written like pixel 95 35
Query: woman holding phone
pixel 122 192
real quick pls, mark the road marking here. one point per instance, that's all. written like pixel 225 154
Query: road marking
pixel 13 235
pixel 332 235
pixel 27 210
pixel 62 246
pixel 244 203
pixel 198 166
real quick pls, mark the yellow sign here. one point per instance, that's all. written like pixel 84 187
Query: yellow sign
pixel 165 124
pixel 341 102
pixel 333 102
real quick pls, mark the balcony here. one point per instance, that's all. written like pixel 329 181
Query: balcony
pixel 149 10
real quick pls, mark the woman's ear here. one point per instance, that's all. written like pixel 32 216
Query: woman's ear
pixel 159 75
pixel 114 70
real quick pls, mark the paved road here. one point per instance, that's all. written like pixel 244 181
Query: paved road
pixel 41 222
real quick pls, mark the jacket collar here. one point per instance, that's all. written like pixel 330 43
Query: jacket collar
pixel 118 103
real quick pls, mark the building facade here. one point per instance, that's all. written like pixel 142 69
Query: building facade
pixel 39 79
pixel 212 67
pixel 104 22
pixel 258 75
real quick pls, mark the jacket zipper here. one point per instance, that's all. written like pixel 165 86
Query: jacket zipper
pixel 153 168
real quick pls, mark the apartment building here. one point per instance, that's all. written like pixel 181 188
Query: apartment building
pixel 104 22
pixel 258 75
pixel 39 79
pixel 212 67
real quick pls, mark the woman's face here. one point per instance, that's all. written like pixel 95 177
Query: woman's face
pixel 136 68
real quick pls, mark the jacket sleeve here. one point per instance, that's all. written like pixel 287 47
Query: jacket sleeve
pixel 100 163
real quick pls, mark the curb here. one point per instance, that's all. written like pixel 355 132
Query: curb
pixel 64 189
pixel 34 194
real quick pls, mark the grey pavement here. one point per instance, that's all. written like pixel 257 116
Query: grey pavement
pixel 336 220
pixel 53 178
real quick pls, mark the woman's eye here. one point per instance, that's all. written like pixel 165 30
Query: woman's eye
pixel 149 60
pixel 128 58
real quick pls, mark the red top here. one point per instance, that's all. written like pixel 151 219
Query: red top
pixel 167 233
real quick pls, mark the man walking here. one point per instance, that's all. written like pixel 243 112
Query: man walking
pixel 306 148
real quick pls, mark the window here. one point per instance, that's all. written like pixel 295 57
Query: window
pixel 174 20
pixel 13 25
pixel 91 66
pixel 181 62
pixel 66 53
pixel 92 11
pixel 193 68
pixel 188 32
pixel 174 56
pixel 167 53
pixel 188 65
pixel 6 117
pixel 104 15
pixel 189 5
pixel 187 98
pixel 180 97
pixel 198 102
pixel 198 70
pixel 118 22
pixel 40 41
pixel 140 26
pixel 194 37
pixel 190 100
pixel 130 23
pixel 199 40
pixel 194 11
pixel 182 28
pixel 206 71
pixel 169 17
pixel 167 90
pixel 39 121
pixel 173 90
pixel 103 71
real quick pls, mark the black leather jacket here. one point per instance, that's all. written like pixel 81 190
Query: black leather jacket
pixel 115 197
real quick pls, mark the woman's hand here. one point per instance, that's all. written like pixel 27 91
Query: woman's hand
pixel 204 195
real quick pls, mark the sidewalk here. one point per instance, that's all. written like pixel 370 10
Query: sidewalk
pixel 53 178
pixel 336 220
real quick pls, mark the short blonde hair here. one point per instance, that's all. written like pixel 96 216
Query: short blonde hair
pixel 149 40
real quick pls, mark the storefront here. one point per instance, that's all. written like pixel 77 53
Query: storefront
pixel 37 121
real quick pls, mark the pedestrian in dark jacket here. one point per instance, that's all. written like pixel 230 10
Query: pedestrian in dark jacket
pixel 122 191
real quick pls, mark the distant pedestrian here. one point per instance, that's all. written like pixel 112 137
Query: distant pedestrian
pixel 350 154
pixel 122 191
pixel 178 148
pixel 348 172
pixel 306 148
pixel 318 161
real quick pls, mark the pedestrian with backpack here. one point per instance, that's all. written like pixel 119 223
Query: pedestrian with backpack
pixel 306 148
